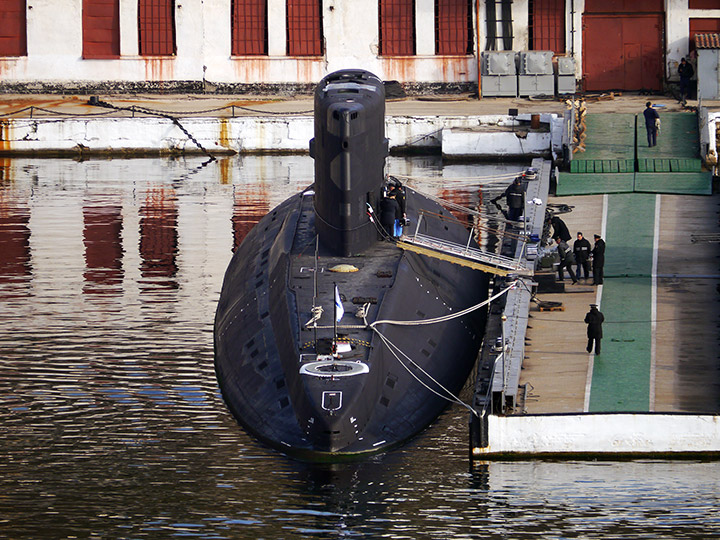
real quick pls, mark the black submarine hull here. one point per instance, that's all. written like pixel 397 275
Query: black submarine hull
pixel 322 387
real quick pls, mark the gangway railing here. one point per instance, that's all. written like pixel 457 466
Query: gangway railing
pixel 463 254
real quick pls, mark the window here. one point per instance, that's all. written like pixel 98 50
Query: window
pixel 453 27
pixel 101 28
pixel 13 36
pixel 156 27
pixel 397 27
pixel 249 27
pixel 547 25
pixel 304 28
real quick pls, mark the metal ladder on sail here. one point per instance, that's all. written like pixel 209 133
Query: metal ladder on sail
pixel 463 254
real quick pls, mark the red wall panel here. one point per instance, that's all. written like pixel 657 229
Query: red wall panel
pixel 304 28
pixel 623 52
pixel 397 27
pixel 156 27
pixel 101 28
pixel 453 27
pixel 627 6
pixel 249 27
pixel 704 4
pixel 548 25
pixel 13 35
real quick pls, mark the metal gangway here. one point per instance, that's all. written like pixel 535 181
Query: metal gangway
pixel 464 255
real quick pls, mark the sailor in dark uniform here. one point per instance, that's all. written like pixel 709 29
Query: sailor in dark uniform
pixel 598 260
pixel 515 199
pixel 389 212
pixel 581 250
pixel 594 320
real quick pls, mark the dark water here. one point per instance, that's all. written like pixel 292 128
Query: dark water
pixel 112 425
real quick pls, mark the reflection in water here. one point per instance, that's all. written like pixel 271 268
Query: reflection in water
pixel 110 417
pixel 249 205
pixel 158 237
pixel 103 247
pixel 15 266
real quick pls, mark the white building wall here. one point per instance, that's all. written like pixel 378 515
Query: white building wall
pixel 203 38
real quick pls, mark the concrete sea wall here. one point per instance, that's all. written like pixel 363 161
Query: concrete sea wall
pixel 455 136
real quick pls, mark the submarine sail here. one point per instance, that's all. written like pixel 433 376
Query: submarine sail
pixel 305 355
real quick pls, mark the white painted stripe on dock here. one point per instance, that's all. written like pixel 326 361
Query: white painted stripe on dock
pixel 653 303
pixel 598 301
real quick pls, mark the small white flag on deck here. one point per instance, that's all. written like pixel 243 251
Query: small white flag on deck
pixel 339 310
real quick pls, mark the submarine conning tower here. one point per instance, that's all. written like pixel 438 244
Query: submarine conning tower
pixel 349 149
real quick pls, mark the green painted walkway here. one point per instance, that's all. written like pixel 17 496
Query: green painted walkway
pixel 678 137
pixel 621 374
pixel 617 158
pixel 608 136
pixel 617 161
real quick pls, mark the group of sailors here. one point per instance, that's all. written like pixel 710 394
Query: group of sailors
pixel 582 255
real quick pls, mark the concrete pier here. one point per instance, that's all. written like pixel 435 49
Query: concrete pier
pixel 655 388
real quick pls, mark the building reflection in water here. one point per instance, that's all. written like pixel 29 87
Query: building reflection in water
pixel 249 206
pixel 159 239
pixel 15 256
pixel 102 236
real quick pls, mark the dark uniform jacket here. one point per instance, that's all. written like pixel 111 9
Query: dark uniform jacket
pixel 598 251
pixel 515 195
pixel 594 320
pixel 650 115
pixel 560 229
pixel 389 212
pixel 686 71
pixel 581 249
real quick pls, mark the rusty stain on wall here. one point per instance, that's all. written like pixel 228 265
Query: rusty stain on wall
pixel 399 68
pixel 455 68
pixel 308 69
pixel 5 135
pixel 224 137
pixel 251 69
pixel 159 68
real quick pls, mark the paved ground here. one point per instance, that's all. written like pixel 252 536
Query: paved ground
pixel 19 105
pixel 683 372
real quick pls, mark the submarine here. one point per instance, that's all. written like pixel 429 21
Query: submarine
pixel 331 341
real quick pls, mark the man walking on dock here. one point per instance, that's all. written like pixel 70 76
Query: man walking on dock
pixel 651 118
pixel 594 320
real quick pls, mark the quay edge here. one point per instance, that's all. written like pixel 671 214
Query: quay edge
pixel 468 136
pixel 601 434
